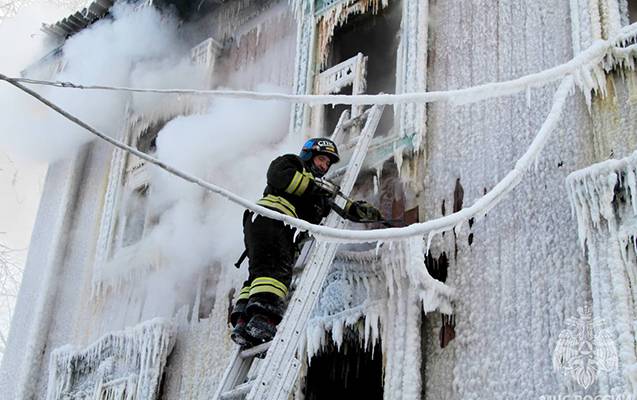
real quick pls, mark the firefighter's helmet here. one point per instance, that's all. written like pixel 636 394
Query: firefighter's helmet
pixel 317 146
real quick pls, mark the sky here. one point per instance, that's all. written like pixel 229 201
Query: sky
pixel 21 176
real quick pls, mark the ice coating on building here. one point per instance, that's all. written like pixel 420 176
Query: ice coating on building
pixel 130 275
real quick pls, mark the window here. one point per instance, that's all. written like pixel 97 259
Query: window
pixel 363 46
pixel 117 366
pixel 376 36
pixel 134 217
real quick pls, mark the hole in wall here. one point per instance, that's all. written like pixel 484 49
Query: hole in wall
pixel 351 371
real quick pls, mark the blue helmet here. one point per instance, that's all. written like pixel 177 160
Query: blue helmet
pixel 317 146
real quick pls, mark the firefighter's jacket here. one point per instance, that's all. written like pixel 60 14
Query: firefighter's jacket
pixel 291 190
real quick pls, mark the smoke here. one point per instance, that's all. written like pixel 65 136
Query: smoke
pixel 232 145
pixel 136 47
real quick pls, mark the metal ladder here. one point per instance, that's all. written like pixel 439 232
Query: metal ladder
pixel 274 377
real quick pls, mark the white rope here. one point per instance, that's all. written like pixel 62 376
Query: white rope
pixel 591 56
pixel 482 205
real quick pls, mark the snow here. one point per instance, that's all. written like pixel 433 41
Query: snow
pixel 130 361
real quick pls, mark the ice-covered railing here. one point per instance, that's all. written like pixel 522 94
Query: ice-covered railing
pixel 130 361
pixel 585 70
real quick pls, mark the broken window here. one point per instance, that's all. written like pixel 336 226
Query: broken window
pixel 375 35
pixel 360 42
pixel 349 370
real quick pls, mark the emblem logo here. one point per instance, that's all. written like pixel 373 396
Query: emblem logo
pixel 584 348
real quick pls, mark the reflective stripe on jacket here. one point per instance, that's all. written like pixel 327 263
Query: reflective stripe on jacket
pixel 278 203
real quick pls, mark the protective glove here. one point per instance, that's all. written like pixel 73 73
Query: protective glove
pixel 317 191
pixel 362 211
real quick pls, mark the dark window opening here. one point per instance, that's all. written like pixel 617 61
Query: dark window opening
pixel 350 372
pixel 632 11
pixel 135 216
pixel 437 266
pixel 147 140
pixel 447 330
pixel 376 36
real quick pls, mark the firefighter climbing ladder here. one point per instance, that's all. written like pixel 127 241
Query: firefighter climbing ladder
pixel 276 374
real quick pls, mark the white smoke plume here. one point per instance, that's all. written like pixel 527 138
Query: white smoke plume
pixel 136 47
pixel 232 145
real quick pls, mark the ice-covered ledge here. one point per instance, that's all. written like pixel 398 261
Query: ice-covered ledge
pixel 604 201
pixel 124 364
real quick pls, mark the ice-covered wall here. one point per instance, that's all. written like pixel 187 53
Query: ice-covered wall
pixel 262 50
pixel 614 117
pixel 518 272
pixel 33 314
pixel 604 199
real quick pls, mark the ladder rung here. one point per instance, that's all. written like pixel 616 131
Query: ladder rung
pixel 253 351
pixel 238 391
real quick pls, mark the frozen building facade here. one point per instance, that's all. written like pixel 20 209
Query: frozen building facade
pixel 117 302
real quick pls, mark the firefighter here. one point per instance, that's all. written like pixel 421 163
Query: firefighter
pixel 269 243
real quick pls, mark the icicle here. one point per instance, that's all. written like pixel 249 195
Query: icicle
pixel 140 352
pixel 337 15
pixel 376 185
pixel 458 229
pixel 528 96
pixel 398 157
pixel 429 238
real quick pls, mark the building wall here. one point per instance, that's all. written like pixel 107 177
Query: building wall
pixel 518 272
pixel 523 273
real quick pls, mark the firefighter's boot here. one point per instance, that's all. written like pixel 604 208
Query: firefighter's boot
pixel 261 328
pixel 265 311
pixel 239 321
